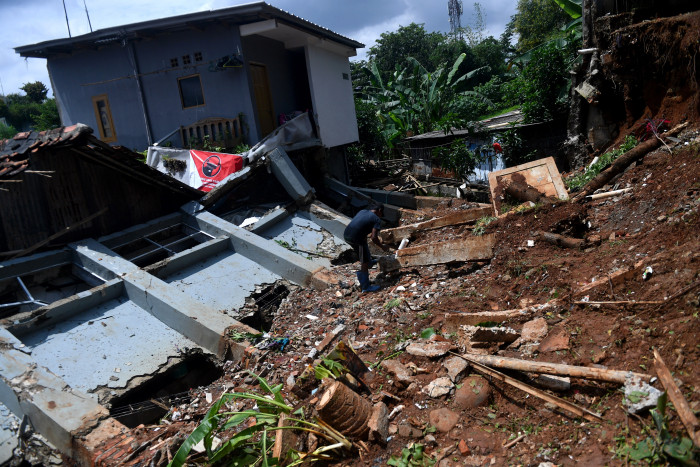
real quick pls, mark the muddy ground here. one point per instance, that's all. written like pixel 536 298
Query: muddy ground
pixel 655 225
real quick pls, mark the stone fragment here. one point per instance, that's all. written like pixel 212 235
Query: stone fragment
pixel 534 330
pixel 401 373
pixel 379 424
pixel 463 448
pixel 558 339
pixel 429 349
pixel 639 395
pixel 439 387
pixel 474 392
pixel 455 367
pixel 443 419
pixel 406 430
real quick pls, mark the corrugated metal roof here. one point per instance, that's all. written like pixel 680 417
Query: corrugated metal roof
pixel 490 124
pixel 240 14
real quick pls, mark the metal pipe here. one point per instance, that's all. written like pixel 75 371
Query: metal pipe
pixel 142 97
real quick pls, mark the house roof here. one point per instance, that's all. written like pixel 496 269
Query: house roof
pixel 499 122
pixel 16 155
pixel 240 14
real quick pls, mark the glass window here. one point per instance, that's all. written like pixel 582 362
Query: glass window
pixel 103 115
pixel 191 93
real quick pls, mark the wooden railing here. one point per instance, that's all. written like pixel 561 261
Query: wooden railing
pixel 225 132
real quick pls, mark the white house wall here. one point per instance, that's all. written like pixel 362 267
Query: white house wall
pixel 331 94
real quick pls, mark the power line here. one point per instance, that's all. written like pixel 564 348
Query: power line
pixel 66 12
pixel 88 15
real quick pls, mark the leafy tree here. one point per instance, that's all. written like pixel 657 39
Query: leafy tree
pixel 392 48
pixel 414 99
pixel 36 91
pixel 7 131
pixel 537 21
pixel 31 110
pixel 47 118
pixel 372 143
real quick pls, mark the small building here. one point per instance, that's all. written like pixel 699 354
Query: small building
pixel 233 73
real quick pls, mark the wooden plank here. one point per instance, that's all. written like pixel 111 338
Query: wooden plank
pixel 469 248
pixel 457 218
pixel 685 413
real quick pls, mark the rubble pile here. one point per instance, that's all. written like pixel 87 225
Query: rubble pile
pixel 537 355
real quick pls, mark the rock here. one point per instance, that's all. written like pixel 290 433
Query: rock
pixel 443 419
pixel 429 440
pixel 558 339
pixel 379 424
pixel 534 330
pixel 400 372
pixel 472 334
pixel 639 396
pixel 463 448
pixel 475 392
pixel 406 430
pixel 430 349
pixel 393 429
pixel 455 366
pixel 439 387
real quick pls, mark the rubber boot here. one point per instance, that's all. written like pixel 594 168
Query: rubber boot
pixel 363 278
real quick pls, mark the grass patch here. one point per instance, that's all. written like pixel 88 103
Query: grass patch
pixel 480 226
pixel 578 181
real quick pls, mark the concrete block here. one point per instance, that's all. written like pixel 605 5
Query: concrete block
pixel 464 249
pixel 471 334
pixel 21 266
pixel 265 252
pixel 454 321
pixel 289 176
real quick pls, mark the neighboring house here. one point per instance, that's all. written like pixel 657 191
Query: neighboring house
pixel 140 83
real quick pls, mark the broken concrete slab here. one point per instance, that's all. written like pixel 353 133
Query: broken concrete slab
pixel 458 218
pixel 379 424
pixel 429 349
pixel 465 249
pixel 557 339
pixel 289 176
pixel 401 372
pixel 541 174
pixel 439 387
pixel 479 334
pixel 534 330
pixel 455 366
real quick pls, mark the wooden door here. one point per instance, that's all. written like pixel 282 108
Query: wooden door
pixel 263 98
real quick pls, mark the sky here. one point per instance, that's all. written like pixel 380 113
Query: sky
pixel 30 21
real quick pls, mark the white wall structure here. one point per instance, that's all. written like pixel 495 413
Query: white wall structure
pixel 331 93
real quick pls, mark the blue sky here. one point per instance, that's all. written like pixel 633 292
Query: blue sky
pixel 31 21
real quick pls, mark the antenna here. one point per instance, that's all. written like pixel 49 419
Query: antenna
pixel 88 15
pixel 454 8
pixel 66 12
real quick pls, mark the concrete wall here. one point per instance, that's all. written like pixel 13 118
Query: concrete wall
pixel 332 97
pixel 298 81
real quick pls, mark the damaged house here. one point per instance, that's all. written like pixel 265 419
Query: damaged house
pixel 232 74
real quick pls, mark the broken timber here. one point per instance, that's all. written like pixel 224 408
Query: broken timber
pixel 561 403
pixel 465 249
pixel 625 160
pixel 685 413
pixel 457 218
pixel 453 321
pixel 562 241
pixel 599 374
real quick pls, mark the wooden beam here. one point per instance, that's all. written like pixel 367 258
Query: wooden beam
pixel 599 374
pixel 469 248
pixel 685 413
pixel 561 403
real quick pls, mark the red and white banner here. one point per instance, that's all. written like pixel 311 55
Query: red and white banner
pixel 213 167
pixel 202 170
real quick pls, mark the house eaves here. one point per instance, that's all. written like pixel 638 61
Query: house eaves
pixel 237 15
